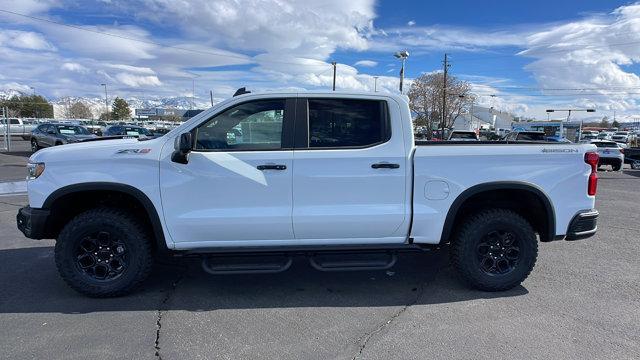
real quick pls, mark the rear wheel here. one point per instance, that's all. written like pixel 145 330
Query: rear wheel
pixel 103 252
pixel 616 167
pixel 494 250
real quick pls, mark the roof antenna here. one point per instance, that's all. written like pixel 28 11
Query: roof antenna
pixel 241 91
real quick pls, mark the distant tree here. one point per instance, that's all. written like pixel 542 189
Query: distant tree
pixel 615 124
pixel 80 111
pixel 28 106
pixel 604 122
pixel 120 110
pixel 105 116
pixel 425 100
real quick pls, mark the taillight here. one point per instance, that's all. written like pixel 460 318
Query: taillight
pixel 592 158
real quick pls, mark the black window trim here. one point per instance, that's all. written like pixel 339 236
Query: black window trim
pixel 302 125
pixel 288 124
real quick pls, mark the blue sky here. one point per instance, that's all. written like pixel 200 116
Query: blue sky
pixel 520 56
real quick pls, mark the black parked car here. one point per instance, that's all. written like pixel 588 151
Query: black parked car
pixel 46 135
pixel 129 130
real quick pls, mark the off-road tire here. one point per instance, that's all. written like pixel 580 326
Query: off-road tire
pixel 464 249
pixel 122 225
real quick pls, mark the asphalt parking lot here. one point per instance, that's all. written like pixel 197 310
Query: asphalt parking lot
pixel 581 301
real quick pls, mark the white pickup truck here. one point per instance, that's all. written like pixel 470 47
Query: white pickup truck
pixel 335 177
pixel 17 127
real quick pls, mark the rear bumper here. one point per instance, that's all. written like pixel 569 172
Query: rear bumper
pixel 610 161
pixel 583 225
pixel 33 222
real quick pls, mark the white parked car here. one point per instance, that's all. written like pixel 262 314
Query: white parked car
pixel 611 153
pixel 589 135
pixel 621 137
pixel 603 135
pixel 336 177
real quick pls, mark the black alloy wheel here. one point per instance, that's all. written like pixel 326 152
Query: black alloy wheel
pixel 498 252
pixel 101 256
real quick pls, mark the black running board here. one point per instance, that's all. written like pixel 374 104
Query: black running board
pixel 275 263
pixel 360 261
pixel 265 264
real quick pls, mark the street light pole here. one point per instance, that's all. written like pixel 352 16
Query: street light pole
pixel 375 84
pixel 334 64
pixel 402 55
pixel 106 102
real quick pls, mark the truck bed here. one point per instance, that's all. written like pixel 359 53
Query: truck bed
pixel 443 170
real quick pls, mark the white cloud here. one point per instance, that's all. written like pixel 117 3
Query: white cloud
pixel 104 47
pixel 24 40
pixel 411 23
pixel 28 7
pixel 428 38
pixel 133 69
pixel 366 63
pixel 590 54
pixel 138 80
pixel 309 28
pixel 74 67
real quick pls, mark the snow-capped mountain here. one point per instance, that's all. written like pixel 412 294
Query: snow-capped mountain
pixel 97 104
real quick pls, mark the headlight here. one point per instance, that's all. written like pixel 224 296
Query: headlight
pixel 34 170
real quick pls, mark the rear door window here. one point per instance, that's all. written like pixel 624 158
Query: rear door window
pixel 347 123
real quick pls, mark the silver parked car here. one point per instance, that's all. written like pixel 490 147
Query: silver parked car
pixel 46 135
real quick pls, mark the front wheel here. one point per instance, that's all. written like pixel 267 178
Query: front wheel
pixel 494 250
pixel 34 145
pixel 103 252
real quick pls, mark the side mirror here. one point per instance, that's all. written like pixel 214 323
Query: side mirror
pixel 182 145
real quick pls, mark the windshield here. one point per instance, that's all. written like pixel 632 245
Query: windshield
pixel 606 145
pixel 463 135
pixel 622 133
pixel 531 136
pixel 72 130
pixel 135 131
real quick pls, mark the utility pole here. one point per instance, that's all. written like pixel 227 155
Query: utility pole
pixel 211 94
pixel 446 65
pixel 334 75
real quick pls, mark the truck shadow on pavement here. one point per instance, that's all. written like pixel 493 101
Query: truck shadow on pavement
pixel 30 284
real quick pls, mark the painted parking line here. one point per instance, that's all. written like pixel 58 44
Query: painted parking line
pixel 13 187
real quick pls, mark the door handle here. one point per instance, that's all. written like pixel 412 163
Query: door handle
pixel 385 166
pixel 272 167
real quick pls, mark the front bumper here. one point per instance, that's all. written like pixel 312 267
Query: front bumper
pixel 583 225
pixel 33 222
